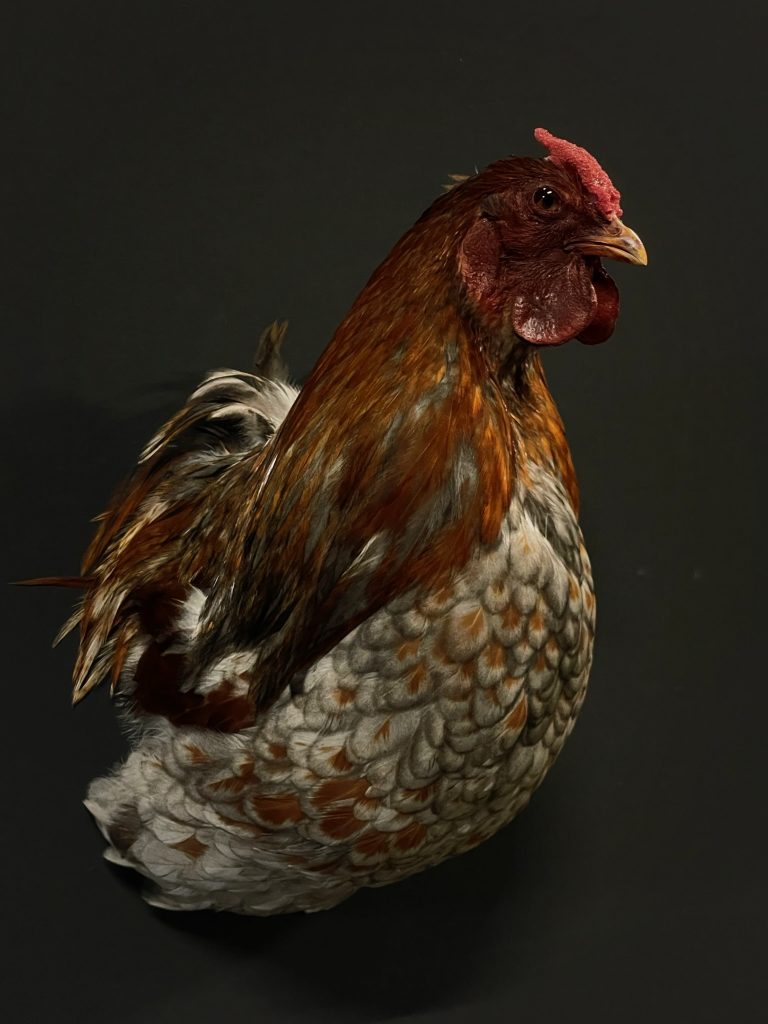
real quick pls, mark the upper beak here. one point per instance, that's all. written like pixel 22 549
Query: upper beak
pixel 618 242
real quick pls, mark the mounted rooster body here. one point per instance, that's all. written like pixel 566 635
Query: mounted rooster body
pixel 351 627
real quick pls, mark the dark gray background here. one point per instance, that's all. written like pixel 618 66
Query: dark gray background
pixel 181 173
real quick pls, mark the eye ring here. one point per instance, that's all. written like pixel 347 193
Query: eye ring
pixel 545 198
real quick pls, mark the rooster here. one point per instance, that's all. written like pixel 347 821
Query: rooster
pixel 350 627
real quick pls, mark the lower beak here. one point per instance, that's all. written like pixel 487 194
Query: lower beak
pixel 618 242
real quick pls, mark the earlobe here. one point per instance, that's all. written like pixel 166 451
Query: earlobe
pixel 480 259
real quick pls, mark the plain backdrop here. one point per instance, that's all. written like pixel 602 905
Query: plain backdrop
pixel 178 174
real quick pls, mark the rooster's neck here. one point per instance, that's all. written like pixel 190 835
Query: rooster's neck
pixel 411 361
pixel 538 427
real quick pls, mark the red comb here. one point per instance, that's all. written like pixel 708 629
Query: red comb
pixel 593 177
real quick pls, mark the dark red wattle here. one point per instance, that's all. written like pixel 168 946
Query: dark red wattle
pixel 602 324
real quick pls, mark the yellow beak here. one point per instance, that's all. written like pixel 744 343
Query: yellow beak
pixel 619 242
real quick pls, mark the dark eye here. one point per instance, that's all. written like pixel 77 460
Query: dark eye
pixel 546 198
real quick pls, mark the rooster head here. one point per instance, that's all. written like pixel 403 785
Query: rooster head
pixel 530 259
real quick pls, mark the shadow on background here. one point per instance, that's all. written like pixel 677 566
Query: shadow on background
pixel 431 941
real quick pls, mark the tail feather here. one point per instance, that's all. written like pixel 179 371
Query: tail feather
pixel 267 361
pixel 138 553
pixel 72 582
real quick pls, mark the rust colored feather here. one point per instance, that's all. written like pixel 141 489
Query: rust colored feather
pixel 396 462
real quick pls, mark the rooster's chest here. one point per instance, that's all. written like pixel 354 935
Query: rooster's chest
pixel 428 726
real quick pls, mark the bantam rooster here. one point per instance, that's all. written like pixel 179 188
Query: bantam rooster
pixel 350 627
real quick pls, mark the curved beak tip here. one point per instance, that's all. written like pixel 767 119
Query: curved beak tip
pixel 632 246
